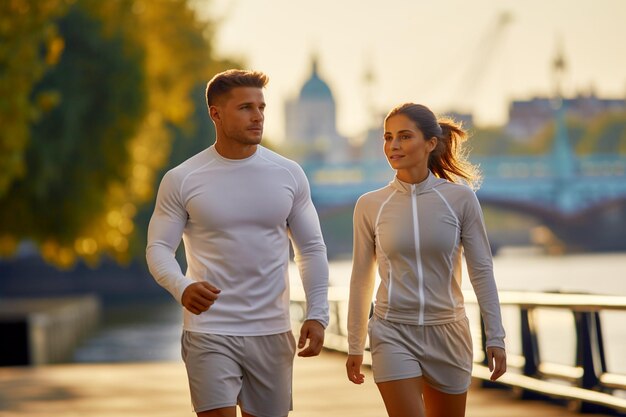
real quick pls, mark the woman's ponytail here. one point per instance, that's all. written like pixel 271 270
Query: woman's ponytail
pixel 449 159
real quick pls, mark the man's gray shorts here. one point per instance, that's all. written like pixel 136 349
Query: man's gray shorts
pixel 252 371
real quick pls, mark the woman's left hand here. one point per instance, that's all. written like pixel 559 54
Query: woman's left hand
pixel 496 360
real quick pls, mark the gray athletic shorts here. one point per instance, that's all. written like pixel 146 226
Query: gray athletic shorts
pixel 442 354
pixel 252 371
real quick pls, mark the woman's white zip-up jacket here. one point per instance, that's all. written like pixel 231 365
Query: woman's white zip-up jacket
pixel 416 233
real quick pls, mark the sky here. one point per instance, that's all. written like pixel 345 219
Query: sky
pixel 470 56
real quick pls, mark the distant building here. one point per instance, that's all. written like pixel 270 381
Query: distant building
pixel 527 117
pixel 310 123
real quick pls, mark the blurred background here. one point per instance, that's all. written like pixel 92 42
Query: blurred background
pixel 100 98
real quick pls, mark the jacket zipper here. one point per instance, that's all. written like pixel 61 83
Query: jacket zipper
pixel 418 257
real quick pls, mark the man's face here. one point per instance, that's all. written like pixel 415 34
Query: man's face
pixel 239 116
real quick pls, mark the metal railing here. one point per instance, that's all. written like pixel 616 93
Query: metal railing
pixel 587 386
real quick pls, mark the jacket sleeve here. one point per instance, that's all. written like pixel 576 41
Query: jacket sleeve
pixel 310 250
pixel 480 268
pixel 164 235
pixel 362 280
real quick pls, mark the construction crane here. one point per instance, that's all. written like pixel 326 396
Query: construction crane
pixel 483 54
pixel 463 81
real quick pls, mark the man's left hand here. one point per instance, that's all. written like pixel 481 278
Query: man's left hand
pixel 314 332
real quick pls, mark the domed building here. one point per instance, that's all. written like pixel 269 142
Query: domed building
pixel 310 123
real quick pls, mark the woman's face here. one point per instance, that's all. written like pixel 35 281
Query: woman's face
pixel 406 148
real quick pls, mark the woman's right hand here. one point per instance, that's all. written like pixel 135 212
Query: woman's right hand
pixel 353 368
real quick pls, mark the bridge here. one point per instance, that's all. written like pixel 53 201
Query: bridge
pixel 581 199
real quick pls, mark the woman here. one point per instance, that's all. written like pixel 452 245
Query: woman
pixel 415 230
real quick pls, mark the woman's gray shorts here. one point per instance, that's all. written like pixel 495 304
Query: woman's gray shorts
pixel 442 354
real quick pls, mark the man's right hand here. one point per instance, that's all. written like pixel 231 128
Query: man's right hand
pixel 199 297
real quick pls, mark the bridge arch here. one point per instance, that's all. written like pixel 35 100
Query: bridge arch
pixel 601 227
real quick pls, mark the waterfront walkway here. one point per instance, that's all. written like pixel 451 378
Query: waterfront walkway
pixel 160 389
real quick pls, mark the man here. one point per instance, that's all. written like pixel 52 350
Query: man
pixel 236 205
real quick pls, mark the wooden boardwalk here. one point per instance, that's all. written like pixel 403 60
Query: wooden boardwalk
pixel 160 389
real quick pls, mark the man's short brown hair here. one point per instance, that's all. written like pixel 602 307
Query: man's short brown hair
pixel 222 83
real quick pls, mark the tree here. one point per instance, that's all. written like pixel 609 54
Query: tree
pixel 122 91
pixel 605 134
pixel 489 141
pixel 29 44
pixel 77 152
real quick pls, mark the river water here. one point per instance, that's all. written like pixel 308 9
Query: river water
pixel 151 332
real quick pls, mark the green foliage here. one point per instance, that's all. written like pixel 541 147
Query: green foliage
pixel 543 141
pixel 106 117
pixel 604 134
pixel 78 148
pixel 29 44
pixel 489 141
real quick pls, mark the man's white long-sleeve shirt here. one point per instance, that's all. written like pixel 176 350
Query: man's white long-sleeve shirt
pixel 236 218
